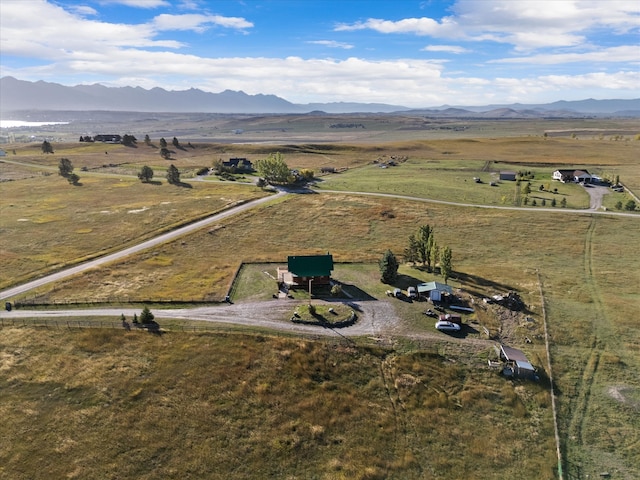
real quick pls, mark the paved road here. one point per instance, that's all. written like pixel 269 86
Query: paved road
pixel 165 237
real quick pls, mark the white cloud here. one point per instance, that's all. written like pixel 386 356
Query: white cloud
pixel 525 24
pixel 198 22
pixel 332 44
pixel 445 48
pixel 623 53
pixel 85 10
pixel 139 3
pixel 417 26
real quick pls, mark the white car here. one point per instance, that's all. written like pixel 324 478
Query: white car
pixel 445 326
pixel 412 292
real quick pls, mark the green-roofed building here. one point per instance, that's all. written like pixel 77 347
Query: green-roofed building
pixel 302 269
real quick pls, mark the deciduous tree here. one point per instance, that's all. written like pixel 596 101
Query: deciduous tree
pixel 446 263
pixel 274 169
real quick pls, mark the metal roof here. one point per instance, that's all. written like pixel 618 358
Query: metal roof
pixel 310 265
pixel 513 354
pixel 429 286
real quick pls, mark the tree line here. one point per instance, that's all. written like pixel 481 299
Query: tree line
pixel 421 248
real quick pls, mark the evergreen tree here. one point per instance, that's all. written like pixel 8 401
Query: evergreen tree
pixel 46 147
pixel 73 179
pixel 129 140
pixel 147 140
pixel 388 267
pixel 163 143
pixel 146 316
pixel 146 174
pixel 173 175
pixel 175 142
pixel 411 252
pixel 65 167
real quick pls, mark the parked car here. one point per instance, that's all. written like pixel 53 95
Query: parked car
pixel 397 292
pixel 412 292
pixel 445 326
pixel 431 313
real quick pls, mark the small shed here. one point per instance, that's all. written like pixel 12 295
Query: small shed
pixel 505 175
pixel 518 364
pixel 434 290
pixel 2 153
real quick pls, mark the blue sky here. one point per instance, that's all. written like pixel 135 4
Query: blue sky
pixel 419 53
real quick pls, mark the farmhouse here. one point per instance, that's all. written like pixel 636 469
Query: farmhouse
pixel 240 164
pixel 517 364
pixel 109 138
pixel 306 270
pixel 504 175
pixel 434 290
pixel 578 176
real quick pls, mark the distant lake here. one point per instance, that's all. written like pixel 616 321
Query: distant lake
pixel 21 123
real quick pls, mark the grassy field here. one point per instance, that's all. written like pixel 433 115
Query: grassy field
pixel 47 224
pixel 110 404
pixel 412 403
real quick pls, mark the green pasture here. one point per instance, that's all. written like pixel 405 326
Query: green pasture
pixel 454 181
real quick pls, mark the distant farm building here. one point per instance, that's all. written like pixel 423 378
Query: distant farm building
pixel 511 176
pixel 306 270
pixel 239 164
pixel 577 176
pixel 434 291
pixel 110 138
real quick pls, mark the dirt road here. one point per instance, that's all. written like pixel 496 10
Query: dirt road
pixel 165 237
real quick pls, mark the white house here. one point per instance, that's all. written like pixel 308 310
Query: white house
pixel 577 176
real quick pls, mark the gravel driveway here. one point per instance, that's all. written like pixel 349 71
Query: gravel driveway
pixel 596 192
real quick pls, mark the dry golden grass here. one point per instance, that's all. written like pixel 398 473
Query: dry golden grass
pixel 46 223
pixel 588 265
pixel 103 404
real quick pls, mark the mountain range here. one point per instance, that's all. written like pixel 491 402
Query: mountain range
pixel 20 95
